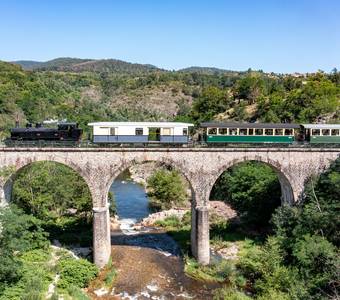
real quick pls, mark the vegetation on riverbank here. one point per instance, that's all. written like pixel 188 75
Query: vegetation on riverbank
pixel 30 265
pixel 57 196
pixel 299 260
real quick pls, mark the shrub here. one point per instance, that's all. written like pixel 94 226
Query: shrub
pixel 171 221
pixel 19 233
pixel 317 259
pixel 228 293
pixel 75 272
pixel 167 189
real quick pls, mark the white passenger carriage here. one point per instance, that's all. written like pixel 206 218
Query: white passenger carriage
pixel 140 132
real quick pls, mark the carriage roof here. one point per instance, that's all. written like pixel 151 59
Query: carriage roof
pixel 137 124
pixel 248 125
pixel 321 126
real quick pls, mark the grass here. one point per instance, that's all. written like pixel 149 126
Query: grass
pixel 106 278
pixel 212 273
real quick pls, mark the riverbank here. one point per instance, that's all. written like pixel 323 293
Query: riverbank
pixel 149 265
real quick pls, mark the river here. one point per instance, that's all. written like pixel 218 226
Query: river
pixel 148 261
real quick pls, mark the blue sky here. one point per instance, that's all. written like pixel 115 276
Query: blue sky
pixel 272 35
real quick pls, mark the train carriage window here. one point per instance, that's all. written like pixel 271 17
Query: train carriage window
pixel 166 131
pixel 268 131
pixel 258 131
pixel 315 131
pixel 232 131
pixel 288 131
pixel 212 131
pixel 335 132
pixel 251 131
pixel 243 131
pixel 139 131
pixel 112 131
pixel 185 131
pixel 223 131
pixel 325 131
pixel 278 131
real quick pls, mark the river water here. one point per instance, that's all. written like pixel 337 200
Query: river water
pixel 131 202
pixel 148 261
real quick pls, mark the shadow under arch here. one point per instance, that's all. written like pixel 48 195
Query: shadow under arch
pixel 287 194
pixel 9 181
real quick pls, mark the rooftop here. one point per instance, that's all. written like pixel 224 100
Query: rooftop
pixel 147 124
pixel 249 125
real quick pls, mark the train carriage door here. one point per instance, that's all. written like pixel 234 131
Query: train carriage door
pixel 154 134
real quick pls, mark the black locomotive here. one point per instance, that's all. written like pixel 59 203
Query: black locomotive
pixel 63 132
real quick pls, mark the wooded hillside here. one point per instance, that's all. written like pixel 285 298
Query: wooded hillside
pixel 92 90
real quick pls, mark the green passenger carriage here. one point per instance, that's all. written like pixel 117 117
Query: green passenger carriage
pixel 322 133
pixel 219 133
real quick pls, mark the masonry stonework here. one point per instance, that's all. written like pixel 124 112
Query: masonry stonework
pixel 201 166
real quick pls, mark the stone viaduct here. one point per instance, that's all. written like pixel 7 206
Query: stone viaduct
pixel 201 166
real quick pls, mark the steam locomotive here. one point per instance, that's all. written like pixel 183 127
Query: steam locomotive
pixel 63 132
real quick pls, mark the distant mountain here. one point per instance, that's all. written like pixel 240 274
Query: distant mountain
pixel 206 70
pixel 28 64
pixel 87 65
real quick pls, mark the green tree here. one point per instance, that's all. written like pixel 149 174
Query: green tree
pixel 50 191
pixel 252 188
pixel 249 88
pixel 211 101
pixel 19 233
pixel 166 189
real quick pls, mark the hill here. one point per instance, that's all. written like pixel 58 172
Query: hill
pixel 28 64
pixel 207 71
pixel 68 64
pixel 103 90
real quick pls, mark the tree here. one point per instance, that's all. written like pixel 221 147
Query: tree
pixel 252 188
pixel 309 234
pixel 166 189
pixel 249 88
pixel 212 101
pixel 19 233
pixel 49 190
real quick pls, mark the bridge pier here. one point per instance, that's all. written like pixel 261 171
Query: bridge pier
pixel 101 236
pixel 200 246
pixel 2 196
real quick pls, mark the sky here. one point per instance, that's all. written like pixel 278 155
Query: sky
pixel 281 36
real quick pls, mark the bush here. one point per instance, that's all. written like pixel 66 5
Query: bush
pixel 228 293
pixel 317 259
pixel 167 189
pixel 171 221
pixel 76 272
pixel 19 233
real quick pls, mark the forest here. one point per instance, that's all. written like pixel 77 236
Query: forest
pixel 38 95
pixel 287 252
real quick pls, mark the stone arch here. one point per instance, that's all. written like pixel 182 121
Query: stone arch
pixel 163 161
pixel 20 165
pixel 287 191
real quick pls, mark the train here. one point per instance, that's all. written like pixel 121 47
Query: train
pixel 63 132
pixel 180 134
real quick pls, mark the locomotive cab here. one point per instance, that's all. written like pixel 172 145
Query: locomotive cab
pixel 69 131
